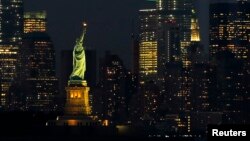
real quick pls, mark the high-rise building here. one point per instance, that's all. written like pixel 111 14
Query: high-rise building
pixel 166 33
pixel 199 89
pixel 177 94
pixel 230 28
pixel 148 45
pixel 11 30
pixel 38 71
pixel 228 91
pixel 195 28
pixel 174 28
pixel 168 45
pixel 113 85
pixel 35 21
pixel 181 11
pixel 229 50
pixel 172 42
pixel 151 101
pixel 172 86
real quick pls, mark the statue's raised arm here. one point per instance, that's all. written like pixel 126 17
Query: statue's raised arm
pixel 84 24
pixel 79 59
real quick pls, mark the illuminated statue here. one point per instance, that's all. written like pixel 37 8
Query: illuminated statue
pixel 79 59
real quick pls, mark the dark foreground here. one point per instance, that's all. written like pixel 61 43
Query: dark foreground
pixel 31 127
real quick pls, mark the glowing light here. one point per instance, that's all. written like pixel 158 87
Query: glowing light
pixel 148 58
pixel 72 122
pixel 105 123
pixel 34 22
pixel 85 24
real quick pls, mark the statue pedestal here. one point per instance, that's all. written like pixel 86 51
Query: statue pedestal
pixel 77 108
pixel 77 102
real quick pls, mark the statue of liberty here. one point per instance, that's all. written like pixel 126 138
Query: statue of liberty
pixel 79 59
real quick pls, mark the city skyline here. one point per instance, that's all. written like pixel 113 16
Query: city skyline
pixel 151 68
pixel 100 15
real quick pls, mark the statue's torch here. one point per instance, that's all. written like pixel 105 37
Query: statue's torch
pixel 84 24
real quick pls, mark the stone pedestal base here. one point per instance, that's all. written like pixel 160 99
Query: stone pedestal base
pixel 77 108
pixel 77 102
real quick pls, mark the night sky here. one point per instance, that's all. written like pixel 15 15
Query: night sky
pixel 110 22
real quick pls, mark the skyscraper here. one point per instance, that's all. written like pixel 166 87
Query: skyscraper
pixel 148 45
pixel 195 28
pixel 229 91
pixel 172 42
pixel 113 84
pixel 38 67
pixel 178 33
pixel 229 53
pixel 11 21
pixel 180 11
pixel 229 28
pixel 35 21
pixel 199 89
pixel 166 33
pixel 168 45
pixel 151 101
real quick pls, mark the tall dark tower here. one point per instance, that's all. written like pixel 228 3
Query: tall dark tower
pixel 229 28
pixel 11 21
pixel 38 67
pixel 36 79
pixel 178 29
pixel 112 78
pixel 229 51
pixel 174 33
pixel 180 11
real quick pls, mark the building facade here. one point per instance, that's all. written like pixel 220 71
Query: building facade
pixel 229 55
pixel 35 21
pixel 148 45
pixel 113 86
pixel 38 72
pixel 229 28
pixel 11 30
pixel 181 12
